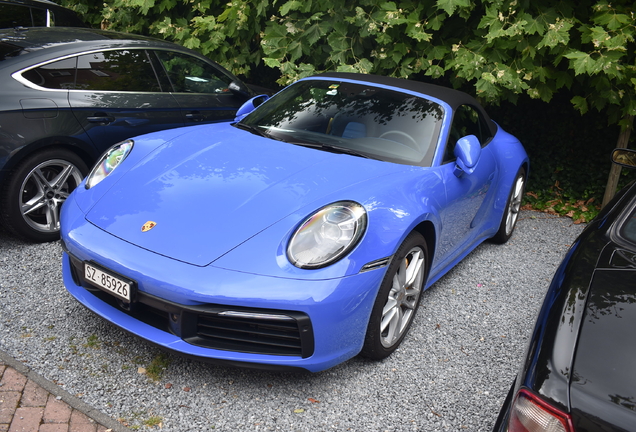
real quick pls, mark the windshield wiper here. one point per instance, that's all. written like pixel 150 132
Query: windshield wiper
pixel 256 130
pixel 345 150
pixel 330 148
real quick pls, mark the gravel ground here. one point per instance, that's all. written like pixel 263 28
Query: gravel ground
pixel 451 373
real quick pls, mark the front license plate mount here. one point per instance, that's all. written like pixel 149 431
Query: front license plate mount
pixel 109 281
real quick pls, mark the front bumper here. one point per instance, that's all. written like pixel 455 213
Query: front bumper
pixel 221 315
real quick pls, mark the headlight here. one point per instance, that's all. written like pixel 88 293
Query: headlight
pixel 108 162
pixel 327 235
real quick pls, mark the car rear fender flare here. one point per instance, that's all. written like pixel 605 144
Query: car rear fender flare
pixel 427 229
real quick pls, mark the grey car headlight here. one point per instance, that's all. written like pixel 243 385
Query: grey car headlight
pixel 108 162
pixel 327 235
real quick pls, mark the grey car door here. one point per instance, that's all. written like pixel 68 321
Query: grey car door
pixel 201 88
pixel 118 94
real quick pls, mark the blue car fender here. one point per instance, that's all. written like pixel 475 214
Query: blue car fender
pixel 393 212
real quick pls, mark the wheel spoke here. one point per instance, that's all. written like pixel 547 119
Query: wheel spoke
pixel 62 177
pixel 40 180
pixel 414 269
pixel 34 204
pixel 389 307
pixel 62 195
pixel 388 317
pixel 400 276
pixel 53 216
pixel 518 196
pixel 406 318
pixel 392 325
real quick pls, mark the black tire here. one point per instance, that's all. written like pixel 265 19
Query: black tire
pixel 513 206
pixel 35 190
pixel 398 299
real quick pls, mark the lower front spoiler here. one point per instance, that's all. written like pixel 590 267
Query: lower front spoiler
pixel 338 325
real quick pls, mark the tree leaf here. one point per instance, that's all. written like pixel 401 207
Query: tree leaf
pixel 289 6
pixel 449 6
pixel 557 34
pixel 581 62
pixel 580 103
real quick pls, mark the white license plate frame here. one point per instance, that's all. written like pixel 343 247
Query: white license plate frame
pixel 110 282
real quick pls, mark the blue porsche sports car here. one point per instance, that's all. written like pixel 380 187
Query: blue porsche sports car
pixel 300 235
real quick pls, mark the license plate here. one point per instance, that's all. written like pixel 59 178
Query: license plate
pixel 107 281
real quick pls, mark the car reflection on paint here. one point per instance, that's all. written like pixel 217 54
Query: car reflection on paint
pixel 579 372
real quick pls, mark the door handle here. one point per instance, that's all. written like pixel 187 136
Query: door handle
pixel 100 118
pixel 194 116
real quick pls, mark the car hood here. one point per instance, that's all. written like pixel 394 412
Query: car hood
pixel 603 389
pixel 215 187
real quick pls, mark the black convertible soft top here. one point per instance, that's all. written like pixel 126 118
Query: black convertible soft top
pixel 452 97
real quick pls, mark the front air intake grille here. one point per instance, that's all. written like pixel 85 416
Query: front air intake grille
pixel 258 333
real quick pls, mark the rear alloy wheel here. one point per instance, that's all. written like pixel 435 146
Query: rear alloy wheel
pixel 398 298
pixel 36 190
pixel 513 206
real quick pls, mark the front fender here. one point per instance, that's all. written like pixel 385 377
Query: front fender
pixel 396 204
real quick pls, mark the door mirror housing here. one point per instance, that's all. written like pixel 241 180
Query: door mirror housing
pixel 250 106
pixel 467 152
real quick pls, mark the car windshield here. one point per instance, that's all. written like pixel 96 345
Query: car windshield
pixel 628 230
pixel 354 118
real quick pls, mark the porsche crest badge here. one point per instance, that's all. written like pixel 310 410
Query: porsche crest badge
pixel 148 226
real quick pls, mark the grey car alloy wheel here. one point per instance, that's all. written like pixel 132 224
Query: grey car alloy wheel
pixel 44 190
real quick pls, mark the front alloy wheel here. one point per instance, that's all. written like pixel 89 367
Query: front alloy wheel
pixel 36 191
pixel 398 298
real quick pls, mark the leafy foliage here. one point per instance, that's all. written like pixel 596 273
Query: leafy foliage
pixel 503 48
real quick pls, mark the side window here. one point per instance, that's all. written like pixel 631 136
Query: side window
pixel 123 71
pixel 189 74
pixel 18 15
pixel 466 121
pixel 59 75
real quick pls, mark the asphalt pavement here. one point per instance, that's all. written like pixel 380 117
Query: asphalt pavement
pixel 450 374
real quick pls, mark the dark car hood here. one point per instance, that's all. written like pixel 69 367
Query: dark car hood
pixel 214 188
pixel 603 389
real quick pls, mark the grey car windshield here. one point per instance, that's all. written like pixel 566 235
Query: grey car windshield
pixel 628 230
pixel 354 118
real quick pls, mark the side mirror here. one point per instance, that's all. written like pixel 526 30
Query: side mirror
pixel 239 89
pixel 624 157
pixel 467 152
pixel 249 106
